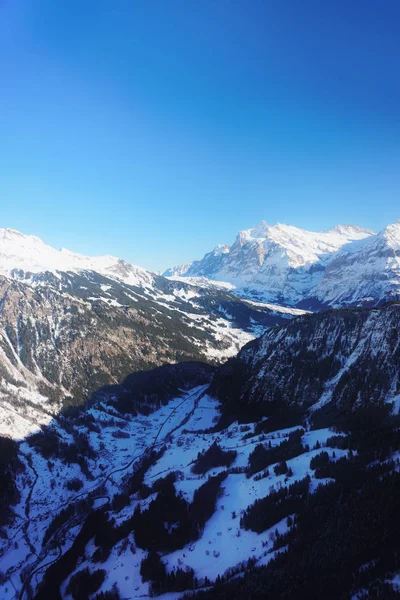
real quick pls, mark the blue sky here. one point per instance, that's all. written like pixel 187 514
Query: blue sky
pixel 155 129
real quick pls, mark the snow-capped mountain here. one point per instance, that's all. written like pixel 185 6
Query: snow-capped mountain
pixel 279 263
pixel 163 480
pixel 206 267
pixel 364 272
pixel 22 256
pixel 70 324
pixel 156 489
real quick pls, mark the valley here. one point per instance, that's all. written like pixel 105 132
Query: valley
pixel 64 334
pixel 179 427
pixel 197 403
pixel 169 437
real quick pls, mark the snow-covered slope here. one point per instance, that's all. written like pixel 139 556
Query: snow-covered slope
pixel 102 491
pixel 21 256
pixel 70 324
pixel 277 263
pixel 364 272
pixel 346 358
pixel 133 485
pixel 119 446
pixel 206 267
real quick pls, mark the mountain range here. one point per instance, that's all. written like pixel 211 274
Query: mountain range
pixel 70 324
pixel 294 267
pixel 174 436
pixel 267 474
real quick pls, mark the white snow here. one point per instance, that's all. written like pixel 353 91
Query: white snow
pixel 223 544
pixel 31 255
pixel 278 264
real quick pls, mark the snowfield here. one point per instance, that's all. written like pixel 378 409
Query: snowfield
pixel 180 426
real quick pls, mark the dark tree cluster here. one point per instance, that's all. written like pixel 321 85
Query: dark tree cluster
pixel 170 522
pixel 266 512
pixel 119 434
pixel 319 460
pixel 63 516
pixel 162 482
pixel 338 441
pixel 71 418
pixel 146 490
pixel 62 568
pixel 74 484
pixel 152 568
pixel 165 525
pixel 178 580
pixel 84 583
pixel 281 419
pixel 10 466
pixel 282 469
pixel 49 444
pixel 112 594
pixel 344 540
pixel 213 457
pixel 136 480
pixel 264 455
pixel 110 534
pixel 205 499
pixel 119 501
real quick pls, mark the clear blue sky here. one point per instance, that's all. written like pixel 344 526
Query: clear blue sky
pixel 155 129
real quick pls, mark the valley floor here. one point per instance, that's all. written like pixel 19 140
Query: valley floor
pixel 119 445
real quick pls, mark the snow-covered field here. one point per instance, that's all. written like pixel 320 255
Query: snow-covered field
pixel 179 426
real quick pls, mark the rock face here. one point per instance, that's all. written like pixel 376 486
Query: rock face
pixel 277 263
pixel 344 358
pixel 73 345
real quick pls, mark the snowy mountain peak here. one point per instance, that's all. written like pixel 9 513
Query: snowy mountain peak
pixel 29 254
pixel 276 263
pixel 289 235
pixel 365 271
pixel 260 230
pixel 12 236
pixel 221 249
pixel 391 233
pixel 351 231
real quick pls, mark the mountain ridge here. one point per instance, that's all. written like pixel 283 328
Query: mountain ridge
pixel 70 324
pixel 175 501
pixel 31 255
pixel 295 267
pixel 340 358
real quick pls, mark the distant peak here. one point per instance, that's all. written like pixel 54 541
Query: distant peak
pixel 349 229
pixel 391 233
pixel 30 254
pixel 394 226
pixel 260 230
pixel 12 236
pixel 221 249
pixel 7 233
